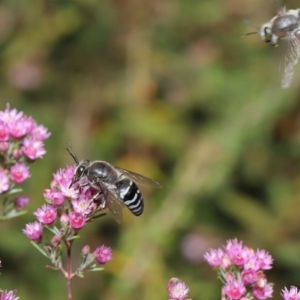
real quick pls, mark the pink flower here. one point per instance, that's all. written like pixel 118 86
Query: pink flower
pixel 291 294
pixel 55 197
pixel 33 149
pixel 21 202
pixel 226 262
pixel 34 231
pixel 85 250
pixel 177 289
pixel 238 254
pixel 252 264
pixel 234 289
pixel 4 182
pixel 261 279
pixel 82 205
pixel 8 295
pixel 17 153
pixel 17 128
pixel 10 115
pixel 103 254
pixel 214 257
pixel 64 219
pixel 249 276
pixel 4 133
pixel 76 220
pixel 4 146
pixel 29 124
pixel 40 133
pixel 46 214
pixel 264 292
pixel 19 172
pixel 229 276
pixel 62 181
pixel 265 259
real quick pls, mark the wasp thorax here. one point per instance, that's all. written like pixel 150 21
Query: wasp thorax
pixel 284 24
pixel 103 171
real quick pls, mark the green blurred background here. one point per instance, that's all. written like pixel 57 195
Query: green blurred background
pixel 171 90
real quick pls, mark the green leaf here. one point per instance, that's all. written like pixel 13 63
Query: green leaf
pixel 39 248
pixel 54 230
pixel 96 269
pixel 14 191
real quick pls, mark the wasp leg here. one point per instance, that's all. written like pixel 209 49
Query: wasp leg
pixel 103 202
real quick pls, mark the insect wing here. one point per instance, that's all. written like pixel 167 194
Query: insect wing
pixel 138 178
pixel 291 59
pixel 114 203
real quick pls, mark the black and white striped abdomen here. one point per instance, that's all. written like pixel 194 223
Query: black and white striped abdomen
pixel 131 195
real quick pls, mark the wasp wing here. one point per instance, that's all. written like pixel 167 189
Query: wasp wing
pixel 138 178
pixel 291 59
pixel 113 201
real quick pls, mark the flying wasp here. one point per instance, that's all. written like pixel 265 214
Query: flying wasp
pixel 118 186
pixel 284 26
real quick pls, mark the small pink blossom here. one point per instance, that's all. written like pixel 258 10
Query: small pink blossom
pixel 4 133
pixel 62 181
pixel 265 259
pixel 64 219
pixel 17 128
pixel 252 264
pixel 263 293
pixel 249 276
pixel 29 124
pixel 177 289
pixel 4 146
pixel 103 254
pixel 85 250
pixel 46 214
pixel 8 295
pixel 234 289
pixel 17 153
pixel 55 197
pixel 226 262
pixel 21 202
pixel 214 257
pixel 261 279
pixel 291 294
pixel 10 115
pixel 4 182
pixel 229 276
pixel 82 205
pixel 40 133
pixel 238 254
pixel 19 172
pixel 33 149
pixel 34 231
pixel 76 220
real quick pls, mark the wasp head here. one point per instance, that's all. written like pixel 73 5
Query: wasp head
pixel 80 171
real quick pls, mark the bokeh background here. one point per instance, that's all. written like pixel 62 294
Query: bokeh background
pixel 169 89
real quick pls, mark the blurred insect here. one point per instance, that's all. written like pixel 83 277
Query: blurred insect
pixel 286 26
pixel 118 186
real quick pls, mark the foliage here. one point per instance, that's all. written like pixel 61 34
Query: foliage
pixel 171 90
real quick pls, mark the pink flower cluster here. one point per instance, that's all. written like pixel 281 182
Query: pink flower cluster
pixel 21 141
pixel 242 270
pixel 68 209
pixel 8 295
pixel 177 289
pixel 292 294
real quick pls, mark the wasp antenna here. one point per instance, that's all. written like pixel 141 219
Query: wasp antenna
pixel 251 25
pixel 72 153
pixel 249 33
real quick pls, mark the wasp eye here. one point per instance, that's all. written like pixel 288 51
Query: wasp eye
pixel 267 30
